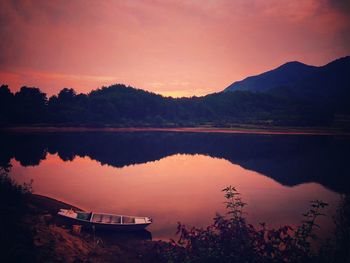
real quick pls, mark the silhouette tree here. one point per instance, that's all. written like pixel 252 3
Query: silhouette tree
pixel 120 105
pixel 6 104
pixel 30 105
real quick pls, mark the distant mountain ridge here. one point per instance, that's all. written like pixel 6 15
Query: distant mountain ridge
pixel 293 94
pixel 331 81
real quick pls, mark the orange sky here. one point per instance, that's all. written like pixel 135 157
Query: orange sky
pixel 178 48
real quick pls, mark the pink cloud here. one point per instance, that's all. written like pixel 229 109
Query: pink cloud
pixel 207 44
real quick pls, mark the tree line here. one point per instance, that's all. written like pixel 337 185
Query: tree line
pixel 123 106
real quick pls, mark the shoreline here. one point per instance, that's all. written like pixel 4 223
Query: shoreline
pixel 234 130
pixel 58 241
pixel 50 204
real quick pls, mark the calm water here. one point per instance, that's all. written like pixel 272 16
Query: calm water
pixel 178 176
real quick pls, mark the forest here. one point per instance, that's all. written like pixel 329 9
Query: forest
pixel 124 106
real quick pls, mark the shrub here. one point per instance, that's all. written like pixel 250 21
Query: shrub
pixel 231 239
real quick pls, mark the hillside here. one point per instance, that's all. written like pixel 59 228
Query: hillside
pixel 292 95
pixel 329 81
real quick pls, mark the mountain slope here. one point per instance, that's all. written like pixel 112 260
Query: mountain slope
pixel 331 81
pixel 294 94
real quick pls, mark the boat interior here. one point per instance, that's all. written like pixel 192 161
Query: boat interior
pixel 84 216
pixel 114 219
pixel 106 218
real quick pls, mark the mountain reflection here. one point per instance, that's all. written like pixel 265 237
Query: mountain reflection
pixel 288 159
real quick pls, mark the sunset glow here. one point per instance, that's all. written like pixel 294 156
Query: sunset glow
pixel 175 130
pixel 176 48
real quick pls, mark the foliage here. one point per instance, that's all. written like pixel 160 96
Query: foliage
pixel 337 248
pixel 11 194
pixel 16 239
pixel 231 239
pixel 119 105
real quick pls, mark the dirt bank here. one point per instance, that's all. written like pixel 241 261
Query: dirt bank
pixel 58 243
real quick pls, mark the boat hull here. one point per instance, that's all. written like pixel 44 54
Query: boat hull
pixel 101 226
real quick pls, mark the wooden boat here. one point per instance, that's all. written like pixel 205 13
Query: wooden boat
pixel 105 221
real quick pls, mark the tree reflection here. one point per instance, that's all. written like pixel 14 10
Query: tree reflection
pixel 290 160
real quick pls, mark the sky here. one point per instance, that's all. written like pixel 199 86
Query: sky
pixel 175 47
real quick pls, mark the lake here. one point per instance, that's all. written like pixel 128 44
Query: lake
pixel 178 177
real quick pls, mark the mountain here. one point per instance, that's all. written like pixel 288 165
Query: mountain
pixel 294 94
pixel 330 82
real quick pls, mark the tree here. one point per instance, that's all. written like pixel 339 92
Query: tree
pixel 6 104
pixel 30 105
pixel 66 95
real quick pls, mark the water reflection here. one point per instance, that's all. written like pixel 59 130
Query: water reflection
pixel 290 160
pixel 176 188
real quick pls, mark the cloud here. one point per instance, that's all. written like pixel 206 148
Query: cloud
pixel 203 45
pixel 341 5
pixel 52 82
